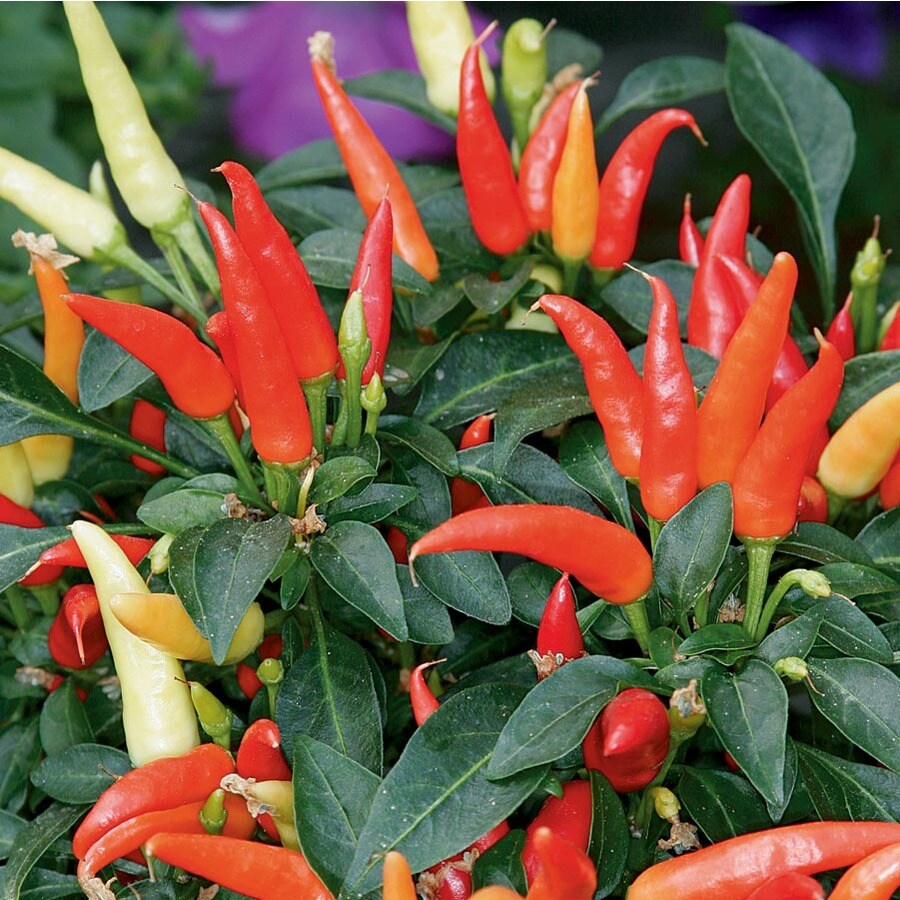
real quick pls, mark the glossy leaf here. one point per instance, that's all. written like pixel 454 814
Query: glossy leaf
pixel 823 544
pixel 864 377
pixel 63 721
pixel 316 207
pixel 796 638
pixel 400 87
pixel 881 538
pixel 335 477
pixel 722 804
pixel 198 502
pixel 372 504
pixel 107 372
pixel 423 439
pixel 315 161
pixel 80 773
pixel 610 838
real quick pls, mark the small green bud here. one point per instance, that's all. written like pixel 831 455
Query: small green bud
pixel 159 554
pixel 665 803
pixel 869 265
pixel 813 583
pixel 373 398
pixel 270 672
pixel 791 667
pixel 352 331
pixel 213 814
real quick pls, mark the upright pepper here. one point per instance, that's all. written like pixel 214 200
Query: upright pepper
pixel 568 817
pixel 465 494
pixel 690 241
pixel 279 419
pixel 485 165
pixel 15 475
pixel 76 637
pixel 421 697
pixel 792 886
pixel 861 451
pixel 891 339
pixel 876 877
pixel 734 868
pixel 565 870
pixel 629 740
pixel 371 169
pixel 615 388
pixel 191 373
pixel 624 186
pixel 668 467
pixel 524 71
pixel 725 429
pixel 69 553
pixel 559 634
pixel 864 279
pixel 12 513
pixel 841 332
pixel 541 157
pixel 156 705
pixel 148 425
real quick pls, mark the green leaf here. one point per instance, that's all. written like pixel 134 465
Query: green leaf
pixel 796 638
pixel 849 791
pixel 849 630
pixel 864 377
pixel 317 207
pixel 315 161
pixel 197 502
pixel 610 838
pixel 328 694
pixel 356 563
pixel 80 773
pixel 502 864
pixel 425 440
pixel 862 700
pixel 491 296
pixel 335 477
pixel 749 712
pixel 332 798
pixel 723 805
pixel 107 372
pixel 426 617
pixel 21 547
pixel 692 545
pixel 408 361
pixel 445 216
pixel 719 636
pixel 631 297
pixel 294 582
pixel 372 504
pixel 565 47
pixel 824 544
pixel 529 586
pixel 63 721
pixel 556 714
pixel 853 581
pixel 881 538
pixel 667 81
pixel 219 571
pixel 400 87
pixel 19 751
pixel 802 127
pixel 437 800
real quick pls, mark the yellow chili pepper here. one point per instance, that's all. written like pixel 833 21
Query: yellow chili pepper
pixel 157 712
pixel 161 621
pixel 276 798
pixel 861 451
pixel 15 475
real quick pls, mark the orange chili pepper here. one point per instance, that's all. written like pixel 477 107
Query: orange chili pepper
pixel 874 878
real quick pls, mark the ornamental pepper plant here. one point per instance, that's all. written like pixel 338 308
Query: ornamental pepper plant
pixel 389 528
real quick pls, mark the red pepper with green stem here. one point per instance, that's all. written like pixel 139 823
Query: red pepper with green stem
pixel 465 494
pixel 889 488
pixel 76 638
pixel 624 185
pixel 22 517
pixel 614 386
pixel 148 425
pixel 690 241
pixel 370 167
pixel 569 817
pixel 485 165
pixel 877 877
pixel 270 648
pixel 840 331
pixel 668 467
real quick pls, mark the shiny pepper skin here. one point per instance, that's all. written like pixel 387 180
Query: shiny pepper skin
pixel 465 494
pixel 569 817
pixel 565 870
pixel 219 329
pixel 813 503
pixel 421 697
pixel 840 331
pixel 876 877
pixel 259 756
pixel 67 552
pixel 559 631
pixel 76 637
pixel 629 740
pixel 792 886
pixel 148 425
pixel 690 241
pixel 889 489
pixel 12 513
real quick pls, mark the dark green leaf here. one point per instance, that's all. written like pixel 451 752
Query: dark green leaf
pixel 701 365
pixel 335 477
pixel 315 161
pixel 853 581
pixel 718 636
pixel 400 87
pixel 864 377
pixel 305 210
pixel 502 864
pixel 723 805
pixel 294 582
pixel 881 538
pixel 491 296
pixel 63 721
pixel 610 839
pixel 823 544
pixel 19 751
pixel 445 216
pixel 429 443
pixel 198 502
pixel 565 47
pixel 529 586
pixel 372 504
pixel 631 296
pixel 796 638
pixel 848 629
pixel 107 372
pixel 81 773
pixel 427 618
pixel 21 547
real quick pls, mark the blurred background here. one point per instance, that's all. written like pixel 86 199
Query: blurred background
pixel 231 80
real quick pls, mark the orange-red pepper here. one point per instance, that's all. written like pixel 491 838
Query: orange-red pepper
pixel 465 494
pixel 690 241
pixel 148 425
pixel 876 877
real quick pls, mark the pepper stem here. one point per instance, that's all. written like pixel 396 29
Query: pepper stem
pixel 122 255
pixel 636 613
pixel 759 558
pixel 188 239
pixel 283 484
pixel 571 270
pixel 221 428
pixel 173 257
pixel 316 391
pixel 655 527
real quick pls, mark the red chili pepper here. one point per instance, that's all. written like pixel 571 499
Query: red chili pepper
pixel 421 697
pixel 270 648
pixel 629 740
pixel 161 784
pixel 76 637
pixel 792 886
pixel 148 424
pixel 544 149
pixel 219 329
pixel 714 315
pixel 131 834
pixel 465 494
pixel 876 877
pixel 304 325
pixel 276 407
pixel 624 185
pixel 614 386
pixel 568 817
pixel 191 373
pixel 484 163
pixel 891 339
pixel 248 867
pixel 606 558
pixel 398 543
pixel 840 331
pixel 726 428
pixel 559 631
pixel 22 517
pixel 66 553
pixel 767 482
pixel 260 757
pixel 370 167
pixel 372 276
pixel 813 503
pixel 733 869
pixel 449 880
pixel 668 467
pixel 731 762
pixel 690 241
pixel 889 489
pixel 565 870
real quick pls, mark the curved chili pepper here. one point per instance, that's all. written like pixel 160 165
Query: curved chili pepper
pixel 605 557
pixel 725 429
pixel 22 517
pixel 713 316
pixel 133 833
pixel 540 160
pixel 576 193
pixel 258 870
pixel 191 373
pixel 668 467
pixel 398 880
pixel 259 756
pixel 629 740
pixel 485 165
pixel 219 329
pixel 68 553
pixel 76 637
pixel 421 697
pixel 148 425
pixel 559 632
pixel 840 331
pixel 876 877
pixel 624 186
pixel 889 489
pixel 160 784
pixel 792 886
pixel 568 817
pixel 862 450
pixel 270 648
pixel 690 241
pixel 466 494
pixel 767 481
pixel 304 325
pixel 276 407
pixel 565 870
pixel 615 388
pixel 733 869
pixel 371 169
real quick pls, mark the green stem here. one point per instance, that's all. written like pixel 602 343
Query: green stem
pixel 865 300
pixel 105 433
pixel 339 432
pixel 173 256
pixel 18 606
pixel 283 485
pixel 316 390
pixel 221 428
pixel 354 405
pixel 372 417
pixel 125 257
pixel 655 527
pixel 188 238
pixel 48 598
pixel 571 270
pixel 785 583
pixel 636 613
pixel 759 558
